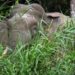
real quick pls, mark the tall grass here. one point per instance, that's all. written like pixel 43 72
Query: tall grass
pixel 43 56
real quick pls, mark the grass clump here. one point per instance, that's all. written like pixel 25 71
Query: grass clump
pixel 43 56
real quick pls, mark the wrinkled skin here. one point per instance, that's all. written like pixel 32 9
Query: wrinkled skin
pixel 3 33
pixel 56 20
pixel 23 25
pixel 19 9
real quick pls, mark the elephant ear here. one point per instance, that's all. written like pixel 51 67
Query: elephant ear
pixel 53 15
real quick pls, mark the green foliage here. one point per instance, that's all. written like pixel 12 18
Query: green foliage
pixel 43 56
pixel 55 56
pixel 17 1
pixel 4 8
pixel 1 49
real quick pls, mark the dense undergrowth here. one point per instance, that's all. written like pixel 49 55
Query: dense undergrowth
pixel 55 56
pixel 43 56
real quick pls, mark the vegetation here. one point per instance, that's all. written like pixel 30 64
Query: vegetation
pixel 55 56
pixel 43 56
pixel 48 5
